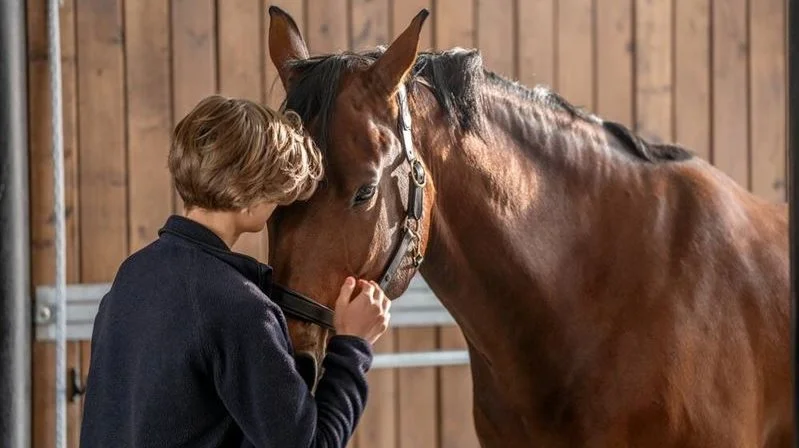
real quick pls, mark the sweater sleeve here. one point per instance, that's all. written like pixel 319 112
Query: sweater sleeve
pixel 256 378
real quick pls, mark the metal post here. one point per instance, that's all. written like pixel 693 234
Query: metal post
pixel 15 301
pixel 59 218
pixel 792 25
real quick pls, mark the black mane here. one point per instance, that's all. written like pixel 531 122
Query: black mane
pixel 455 77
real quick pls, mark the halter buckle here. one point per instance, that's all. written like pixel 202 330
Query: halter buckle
pixel 418 174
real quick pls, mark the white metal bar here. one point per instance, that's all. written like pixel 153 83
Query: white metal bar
pixel 418 307
pixel 420 359
pixel 54 58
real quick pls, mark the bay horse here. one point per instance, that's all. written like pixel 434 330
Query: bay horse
pixel 613 291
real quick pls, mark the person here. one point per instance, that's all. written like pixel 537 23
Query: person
pixel 187 348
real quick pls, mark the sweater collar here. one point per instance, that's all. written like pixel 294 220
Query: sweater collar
pixel 202 237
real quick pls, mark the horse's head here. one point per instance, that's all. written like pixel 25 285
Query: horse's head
pixel 370 216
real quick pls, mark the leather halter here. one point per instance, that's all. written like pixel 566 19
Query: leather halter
pixel 416 182
pixel 301 307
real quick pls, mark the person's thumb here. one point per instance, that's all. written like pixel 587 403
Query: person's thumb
pixel 345 293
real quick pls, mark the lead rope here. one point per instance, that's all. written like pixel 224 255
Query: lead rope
pixel 54 59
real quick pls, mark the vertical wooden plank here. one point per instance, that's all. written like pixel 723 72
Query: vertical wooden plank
pixel 495 36
pixel 575 56
pixel 378 424
pixel 193 59
pixel 273 91
pixel 614 61
pixel 454 24
pixel 457 421
pixel 101 124
pixel 692 75
pixel 730 114
pixel 41 205
pixel 369 25
pixel 101 118
pixel 653 66
pixel 418 392
pixel 767 100
pixel 328 27
pixel 455 29
pixel 149 117
pixel 240 75
pixel 536 36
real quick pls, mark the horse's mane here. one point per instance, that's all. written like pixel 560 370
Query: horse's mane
pixel 455 77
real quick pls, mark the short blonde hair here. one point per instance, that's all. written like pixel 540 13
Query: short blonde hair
pixel 228 153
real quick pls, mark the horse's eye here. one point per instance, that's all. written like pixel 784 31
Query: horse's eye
pixel 365 193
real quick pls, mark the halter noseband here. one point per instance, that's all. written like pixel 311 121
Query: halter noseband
pixel 299 306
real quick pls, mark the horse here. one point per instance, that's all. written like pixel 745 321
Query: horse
pixel 613 290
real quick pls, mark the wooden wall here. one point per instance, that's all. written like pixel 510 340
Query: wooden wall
pixel 709 74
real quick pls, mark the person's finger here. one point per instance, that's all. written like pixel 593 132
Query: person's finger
pixel 386 303
pixel 368 290
pixel 346 292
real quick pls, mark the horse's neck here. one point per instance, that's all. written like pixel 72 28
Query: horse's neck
pixel 512 212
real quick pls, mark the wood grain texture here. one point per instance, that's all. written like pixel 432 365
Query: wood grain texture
pixel 575 56
pixel 456 396
pixel 496 37
pixel 692 127
pixel 418 399
pixel 767 96
pixel 730 81
pixel 103 159
pixel 149 118
pixel 369 25
pixel 613 88
pixel 328 27
pixel 103 171
pixel 536 42
pixel 653 66
pixel 454 24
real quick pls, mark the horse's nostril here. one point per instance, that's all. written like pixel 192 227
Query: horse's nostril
pixel 306 365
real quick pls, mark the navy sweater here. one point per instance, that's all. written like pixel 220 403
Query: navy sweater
pixel 188 351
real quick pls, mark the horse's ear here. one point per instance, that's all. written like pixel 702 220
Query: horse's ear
pixel 390 69
pixel 285 43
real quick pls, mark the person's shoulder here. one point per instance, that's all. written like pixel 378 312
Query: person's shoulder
pixel 229 299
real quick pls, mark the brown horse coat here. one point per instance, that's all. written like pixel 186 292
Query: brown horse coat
pixel 613 292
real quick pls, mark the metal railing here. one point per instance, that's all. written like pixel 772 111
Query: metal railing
pixel 418 307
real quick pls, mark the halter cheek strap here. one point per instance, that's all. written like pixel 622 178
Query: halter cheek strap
pixel 411 240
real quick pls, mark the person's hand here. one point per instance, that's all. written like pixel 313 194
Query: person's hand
pixel 365 316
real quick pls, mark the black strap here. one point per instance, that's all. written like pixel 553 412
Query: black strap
pixel 298 306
